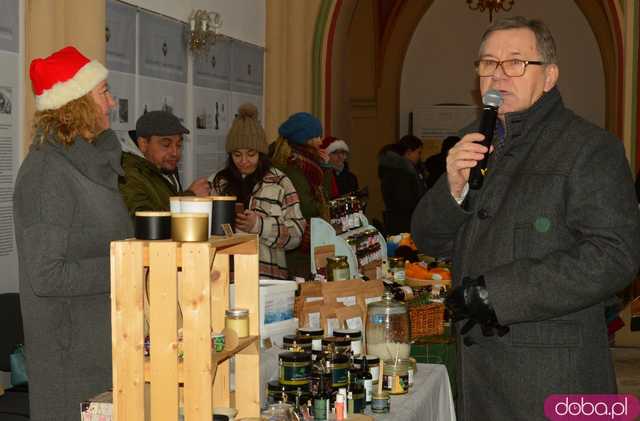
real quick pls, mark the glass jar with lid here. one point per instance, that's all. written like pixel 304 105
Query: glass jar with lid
pixel 387 330
pixel 237 319
pixel 338 269
pixel 396 267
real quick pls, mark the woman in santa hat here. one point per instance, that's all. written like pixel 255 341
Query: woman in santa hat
pixel 67 208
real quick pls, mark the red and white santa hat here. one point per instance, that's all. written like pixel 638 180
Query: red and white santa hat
pixel 64 76
pixel 333 144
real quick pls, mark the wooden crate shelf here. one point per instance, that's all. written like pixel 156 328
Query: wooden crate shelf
pixel 185 284
pixel 216 357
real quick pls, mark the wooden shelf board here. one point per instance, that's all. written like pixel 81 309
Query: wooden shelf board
pixel 216 357
pixel 238 244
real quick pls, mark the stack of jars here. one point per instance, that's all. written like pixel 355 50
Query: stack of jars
pixel 366 246
pixel 345 214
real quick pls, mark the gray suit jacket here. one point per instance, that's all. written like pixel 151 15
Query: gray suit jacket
pixel 555 231
pixel 67 208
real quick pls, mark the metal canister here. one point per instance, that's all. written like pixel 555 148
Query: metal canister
pixel 338 269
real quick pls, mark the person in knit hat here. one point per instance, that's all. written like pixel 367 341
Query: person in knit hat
pixel 298 153
pixel 338 152
pixel 268 197
pixel 67 209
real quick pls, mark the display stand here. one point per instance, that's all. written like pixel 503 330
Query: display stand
pixel 201 376
pixel 322 233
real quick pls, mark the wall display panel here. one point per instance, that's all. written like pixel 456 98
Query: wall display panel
pixel 214 69
pixel 162 51
pixel 9 25
pixel 158 94
pixel 9 151
pixel 120 36
pixel 211 121
pixel 246 68
pixel 122 117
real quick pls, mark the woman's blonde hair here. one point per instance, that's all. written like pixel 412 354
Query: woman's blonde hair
pixel 80 117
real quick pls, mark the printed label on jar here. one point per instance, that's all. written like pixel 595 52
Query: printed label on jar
pixel 396 384
pixel 368 390
pixel 411 377
pixel 398 275
pixel 341 274
pixel 294 375
pixel 316 345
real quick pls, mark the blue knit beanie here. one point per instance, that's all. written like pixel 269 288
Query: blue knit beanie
pixel 300 127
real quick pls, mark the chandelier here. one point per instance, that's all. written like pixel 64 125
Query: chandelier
pixel 490 5
pixel 202 31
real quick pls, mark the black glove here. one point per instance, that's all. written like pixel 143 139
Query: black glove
pixel 471 301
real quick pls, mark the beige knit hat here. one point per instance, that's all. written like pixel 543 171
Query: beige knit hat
pixel 246 132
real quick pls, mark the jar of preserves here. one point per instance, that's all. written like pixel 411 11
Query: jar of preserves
pixel 237 319
pixel 338 269
pixel 396 267
pixel 387 330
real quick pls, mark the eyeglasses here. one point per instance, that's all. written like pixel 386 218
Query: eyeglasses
pixel 512 68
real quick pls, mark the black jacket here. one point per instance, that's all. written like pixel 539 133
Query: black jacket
pixel 346 180
pixel 402 187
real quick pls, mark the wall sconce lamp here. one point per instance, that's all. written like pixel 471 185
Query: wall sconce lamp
pixel 202 31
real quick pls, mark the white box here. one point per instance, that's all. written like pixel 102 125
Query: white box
pixel 277 298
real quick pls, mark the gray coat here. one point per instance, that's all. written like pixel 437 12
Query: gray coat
pixel 67 208
pixel 555 232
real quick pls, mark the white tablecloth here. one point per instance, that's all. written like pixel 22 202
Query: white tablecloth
pixel 429 399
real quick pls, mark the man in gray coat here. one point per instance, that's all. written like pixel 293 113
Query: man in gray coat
pixel 550 236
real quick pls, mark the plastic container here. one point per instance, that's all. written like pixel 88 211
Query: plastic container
pixel 395 377
pixel 237 319
pixel 339 368
pixel 315 335
pixel 388 328
pixel 277 392
pixel 356 338
pixel 335 345
pixel 295 368
pixel 296 343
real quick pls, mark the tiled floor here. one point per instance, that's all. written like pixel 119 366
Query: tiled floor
pixel 627 363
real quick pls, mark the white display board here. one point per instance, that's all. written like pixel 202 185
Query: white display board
pixel 211 124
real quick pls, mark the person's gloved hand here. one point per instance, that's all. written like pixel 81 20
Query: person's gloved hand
pixel 471 301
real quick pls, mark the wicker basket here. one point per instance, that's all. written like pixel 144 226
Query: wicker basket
pixel 426 319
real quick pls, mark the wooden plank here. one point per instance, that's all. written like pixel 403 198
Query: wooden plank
pixel 247 295
pixel 226 245
pixel 196 309
pixel 127 321
pixel 163 296
pixel 219 303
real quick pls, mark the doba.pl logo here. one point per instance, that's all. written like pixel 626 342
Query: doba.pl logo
pixel 592 407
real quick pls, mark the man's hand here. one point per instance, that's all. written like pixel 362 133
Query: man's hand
pixel 461 158
pixel 471 301
pixel 246 221
pixel 324 156
pixel 200 187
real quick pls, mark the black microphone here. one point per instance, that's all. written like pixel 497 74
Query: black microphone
pixel 491 100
